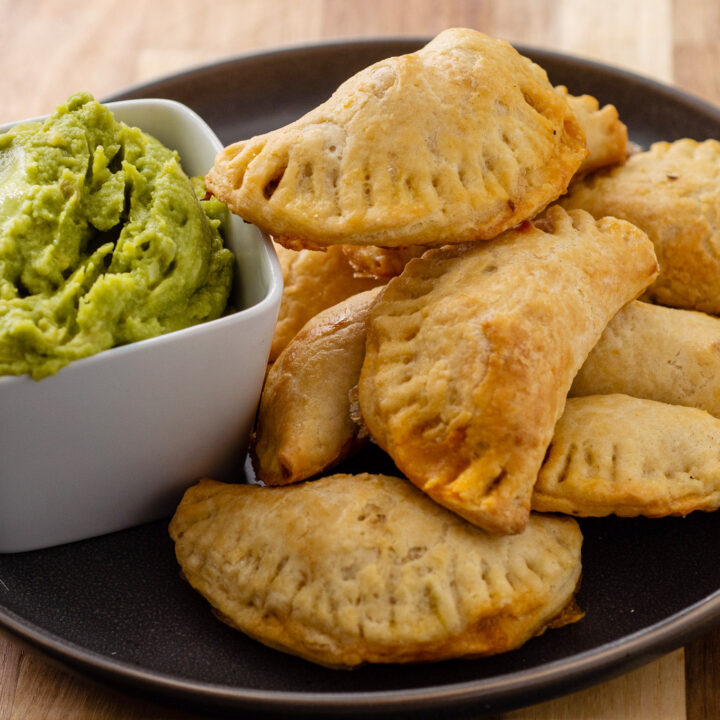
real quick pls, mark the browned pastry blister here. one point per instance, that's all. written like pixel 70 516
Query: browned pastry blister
pixel 458 141
pixel 616 454
pixel 672 192
pixel 380 262
pixel 347 570
pixel 471 351
pixel 304 423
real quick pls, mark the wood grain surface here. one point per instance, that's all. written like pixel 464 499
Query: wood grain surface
pixel 52 48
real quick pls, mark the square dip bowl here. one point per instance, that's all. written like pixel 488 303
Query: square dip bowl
pixel 114 439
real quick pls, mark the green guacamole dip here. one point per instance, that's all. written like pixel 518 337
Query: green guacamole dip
pixel 103 240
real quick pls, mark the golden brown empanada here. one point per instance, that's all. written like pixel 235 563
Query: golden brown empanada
pixel 672 192
pixel 659 353
pixel 353 569
pixel 313 281
pixel 471 351
pixel 304 424
pixel 605 136
pixel 615 454
pixel 455 142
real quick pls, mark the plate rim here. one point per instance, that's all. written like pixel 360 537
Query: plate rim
pixel 504 691
pixel 509 690
pixel 663 88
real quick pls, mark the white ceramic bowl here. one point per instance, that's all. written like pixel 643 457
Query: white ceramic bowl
pixel 114 439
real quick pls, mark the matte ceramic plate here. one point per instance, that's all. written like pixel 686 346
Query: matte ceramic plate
pixel 116 608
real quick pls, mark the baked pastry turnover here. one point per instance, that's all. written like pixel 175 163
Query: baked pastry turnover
pixel 672 192
pixel 658 353
pixel 304 423
pixel 471 351
pixel 456 142
pixel 615 454
pixel 353 569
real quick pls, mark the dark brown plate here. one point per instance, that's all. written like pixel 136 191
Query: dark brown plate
pixel 116 609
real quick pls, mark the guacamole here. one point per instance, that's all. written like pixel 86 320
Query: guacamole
pixel 103 240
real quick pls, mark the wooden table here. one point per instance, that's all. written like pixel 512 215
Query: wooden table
pixel 52 48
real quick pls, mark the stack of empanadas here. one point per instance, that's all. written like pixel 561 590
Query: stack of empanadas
pixel 440 305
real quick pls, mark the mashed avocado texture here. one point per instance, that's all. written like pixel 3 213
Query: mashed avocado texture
pixel 103 240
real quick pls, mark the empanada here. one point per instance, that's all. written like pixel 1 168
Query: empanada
pixel 615 454
pixel 659 353
pixel 605 136
pixel 455 142
pixel 471 351
pixel 313 281
pixel 672 192
pixel 304 423
pixel 353 569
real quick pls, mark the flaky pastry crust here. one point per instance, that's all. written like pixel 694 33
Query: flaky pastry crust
pixel 380 262
pixel 471 351
pixel 607 143
pixel 672 192
pixel 347 569
pixel 658 353
pixel 313 281
pixel 606 136
pixel 616 454
pixel 304 424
